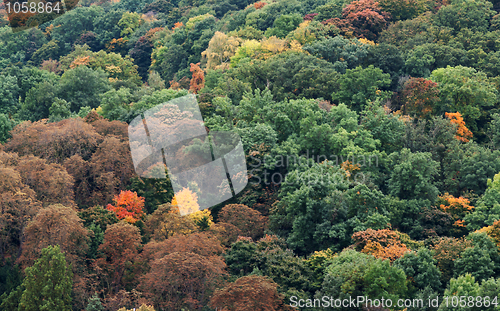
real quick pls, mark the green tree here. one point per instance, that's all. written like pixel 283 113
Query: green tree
pixel 421 269
pixel 48 283
pixel 9 94
pixel 464 285
pixel 59 110
pixel 472 14
pixel 412 174
pixel 341 52
pixel 332 9
pixel 94 304
pixel 115 103
pixel 82 86
pixel 490 288
pixel 475 261
pixel 487 209
pixel 6 125
pixel 465 90
pixel 283 25
pixel 129 23
pixel 308 213
pixel 38 101
pixel 49 50
pixel 494 131
pixel 360 85
pixel 357 274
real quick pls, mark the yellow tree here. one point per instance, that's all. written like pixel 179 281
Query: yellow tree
pixel 220 50
pixel 186 202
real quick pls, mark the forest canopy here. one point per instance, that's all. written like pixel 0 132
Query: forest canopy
pixel 371 132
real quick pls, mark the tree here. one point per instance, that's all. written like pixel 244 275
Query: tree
pixel 50 181
pixel 128 206
pixel 198 79
pixel 38 100
pixel 220 49
pixel 115 103
pixel 94 304
pixel 48 283
pixel 363 18
pixel 357 274
pixel 418 97
pixel 242 257
pixel 49 50
pixel 412 175
pixel 310 214
pixel 341 52
pixel 382 244
pixel 166 222
pixel 9 94
pixel 270 257
pixel 183 279
pixel 291 75
pixel 186 202
pixel 120 69
pixel 201 243
pixel 446 251
pixel 248 293
pixel 118 251
pixel 360 85
pixel 465 90
pixel 18 205
pixel 465 14
pixel 155 191
pixel 250 222
pixel 129 23
pixel 82 86
pixel 493 132
pixel 487 209
pixel 55 225
pixel 420 268
pixel 6 125
pixel 402 10
pixel 458 208
pixel 283 25
pixel 463 133
pixel 59 110
pixel 477 262
pixel 143 307
pixel 464 285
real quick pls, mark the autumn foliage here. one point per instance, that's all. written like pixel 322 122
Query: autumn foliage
pixel 259 5
pixel 184 271
pixel 128 206
pixel 250 223
pixel 198 79
pixel 186 202
pixel 418 97
pixel 493 231
pixel 177 25
pixel 463 133
pixel 363 19
pixel 446 250
pixel 456 207
pixel 383 244
pixel 249 293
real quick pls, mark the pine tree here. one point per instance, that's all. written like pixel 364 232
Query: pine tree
pixel 94 304
pixel 48 283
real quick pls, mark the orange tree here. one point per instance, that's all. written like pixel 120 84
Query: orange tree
pixel 128 206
